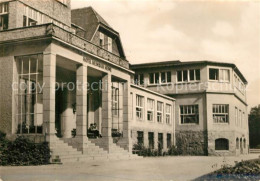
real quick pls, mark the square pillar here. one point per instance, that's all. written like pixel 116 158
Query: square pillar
pixel 81 108
pixel 49 79
pixel 106 111
pixel 126 141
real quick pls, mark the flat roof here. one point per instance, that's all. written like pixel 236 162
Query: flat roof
pixel 178 63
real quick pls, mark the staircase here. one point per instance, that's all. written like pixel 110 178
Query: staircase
pixel 254 151
pixel 64 152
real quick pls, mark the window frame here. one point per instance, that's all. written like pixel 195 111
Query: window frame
pixel 159 113
pixel 218 113
pixel 139 79
pixel 101 39
pixel 151 141
pixel 109 44
pixel 168 112
pixel 226 142
pixel 188 76
pixel 187 114
pixel 139 110
pixel 140 137
pixel 115 101
pixel 150 111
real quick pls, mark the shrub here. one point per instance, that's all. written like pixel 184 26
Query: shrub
pixel 148 152
pixel 22 151
pixel 173 151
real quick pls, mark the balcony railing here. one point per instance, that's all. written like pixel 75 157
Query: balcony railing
pixel 52 30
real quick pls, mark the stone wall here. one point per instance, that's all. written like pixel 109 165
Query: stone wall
pixel 191 142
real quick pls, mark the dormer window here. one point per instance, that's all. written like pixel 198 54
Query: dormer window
pixel 4 16
pixel 109 44
pixel 101 40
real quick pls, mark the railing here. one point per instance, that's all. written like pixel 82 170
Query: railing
pixel 66 36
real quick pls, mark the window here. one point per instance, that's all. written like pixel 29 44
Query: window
pixel 224 75
pixel 160 141
pixel 115 97
pixel 244 143
pixel 166 77
pixel 189 114
pixel 237 143
pixel 168 113
pixel 140 137
pixel 243 121
pixel 169 140
pixel 150 109
pixel 239 118
pixel 213 74
pixel 220 113
pixel 182 76
pixel 4 18
pixel 101 40
pixel 159 112
pixel 221 144
pixel 29 96
pixel 139 107
pixel 139 79
pixel 151 140
pixel 154 78
pixel 194 75
pixel 109 44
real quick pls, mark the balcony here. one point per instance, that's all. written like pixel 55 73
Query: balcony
pixel 54 31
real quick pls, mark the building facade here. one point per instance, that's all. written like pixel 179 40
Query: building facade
pixel 211 108
pixel 63 71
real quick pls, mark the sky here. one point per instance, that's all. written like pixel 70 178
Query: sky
pixel 164 30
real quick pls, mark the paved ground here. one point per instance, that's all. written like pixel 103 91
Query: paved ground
pixel 163 168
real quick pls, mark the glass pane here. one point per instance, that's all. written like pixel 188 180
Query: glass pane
pixel 185 75
pixel 151 78
pixel 192 72
pixel 141 79
pixel 179 76
pixel 169 77
pixel 163 80
pixel 157 78
pixel 198 74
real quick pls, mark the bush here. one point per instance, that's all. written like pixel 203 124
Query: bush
pixel 173 151
pixel 22 151
pixel 148 152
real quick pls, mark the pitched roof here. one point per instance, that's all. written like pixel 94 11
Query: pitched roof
pixel 89 20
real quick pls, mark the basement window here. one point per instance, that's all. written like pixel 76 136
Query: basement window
pixel 221 144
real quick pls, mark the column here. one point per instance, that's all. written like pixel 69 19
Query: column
pixel 49 79
pixel 81 101
pixel 106 112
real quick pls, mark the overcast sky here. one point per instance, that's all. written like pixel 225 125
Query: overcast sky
pixel 159 30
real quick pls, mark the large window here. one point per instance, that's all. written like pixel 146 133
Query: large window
pixel 4 16
pixel 221 75
pixel 168 113
pixel 221 144
pixel 139 107
pixel 151 140
pixel 220 113
pixel 140 137
pixel 188 75
pixel 150 109
pixel 29 96
pixel 139 79
pixel 115 98
pixel 189 114
pixel 159 112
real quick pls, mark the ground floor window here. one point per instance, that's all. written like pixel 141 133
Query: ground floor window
pixel 169 140
pixel 151 140
pixel 221 144
pixel 160 141
pixel 189 114
pixel 245 143
pixel 140 137
pixel 29 94
pixel 237 143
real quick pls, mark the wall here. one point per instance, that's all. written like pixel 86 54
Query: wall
pixel 153 126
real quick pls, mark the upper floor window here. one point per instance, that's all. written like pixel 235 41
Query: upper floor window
pixel 139 79
pixel 188 75
pixel 139 107
pixel 154 78
pixel 168 113
pixel 220 113
pixel 166 77
pixel 4 18
pixel 219 74
pixel 101 40
pixel 109 44
pixel 150 109
pixel 189 114
pixel 159 112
